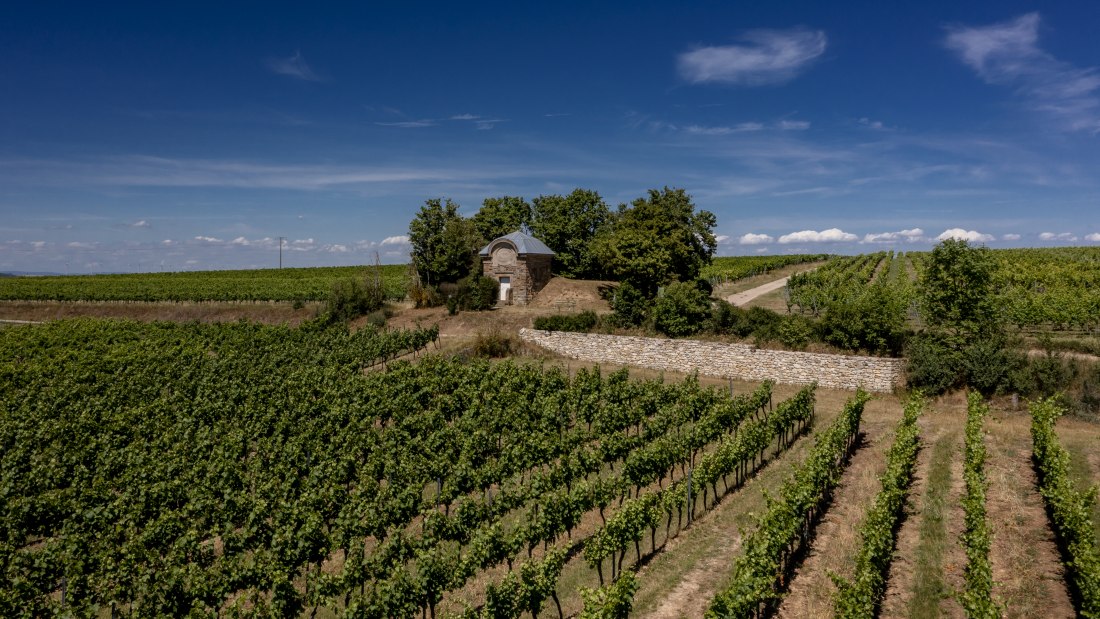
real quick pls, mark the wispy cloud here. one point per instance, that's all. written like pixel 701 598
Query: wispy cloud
pixel 762 57
pixel 146 171
pixel 794 125
pixel 722 129
pixel 485 124
pixel 876 125
pixel 832 235
pixel 912 236
pixel 754 239
pixel 141 223
pixel 1008 53
pixel 409 124
pixel 965 235
pixel 294 66
pixel 1010 237
pixel 1057 236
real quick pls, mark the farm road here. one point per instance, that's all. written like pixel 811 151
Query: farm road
pixel 741 298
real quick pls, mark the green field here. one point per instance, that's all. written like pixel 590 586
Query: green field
pixel 302 284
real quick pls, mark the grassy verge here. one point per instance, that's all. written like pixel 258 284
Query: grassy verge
pixel 929 586
pixel 1082 476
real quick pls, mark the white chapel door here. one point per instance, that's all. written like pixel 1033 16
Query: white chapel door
pixel 505 284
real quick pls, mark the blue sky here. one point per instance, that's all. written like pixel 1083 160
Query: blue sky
pixel 146 137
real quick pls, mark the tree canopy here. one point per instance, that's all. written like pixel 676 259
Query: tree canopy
pixel 957 290
pixel 500 216
pixel 656 240
pixel 443 242
pixel 568 225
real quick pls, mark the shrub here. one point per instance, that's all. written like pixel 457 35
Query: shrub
pixel 581 323
pixel 727 319
pixel 351 298
pixel 795 331
pixel 989 365
pixel 424 296
pixel 477 293
pixel 630 305
pixel 681 310
pixel 873 321
pixel 933 365
pixel 494 344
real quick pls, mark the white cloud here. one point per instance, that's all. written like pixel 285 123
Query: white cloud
pixel 1008 53
pixel 208 239
pixel 395 240
pixel 295 67
pixel 722 238
pixel 1010 237
pixel 754 239
pixel 972 236
pixel 723 130
pixel 764 57
pixel 872 124
pixel 168 242
pixel 335 248
pixel 409 124
pixel 80 245
pixel 832 235
pixel 141 223
pixel 488 123
pixel 1094 237
pixel 794 125
pixel 1062 236
pixel 913 236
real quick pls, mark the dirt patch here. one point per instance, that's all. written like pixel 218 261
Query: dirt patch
pixel 572 295
pixel 1027 570
pixel 901 581
pixel 742 298
pixel 687 599
pixel 836 537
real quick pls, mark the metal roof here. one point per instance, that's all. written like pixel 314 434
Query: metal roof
pixel 525 244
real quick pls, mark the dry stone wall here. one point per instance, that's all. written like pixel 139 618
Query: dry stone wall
pixel 740 361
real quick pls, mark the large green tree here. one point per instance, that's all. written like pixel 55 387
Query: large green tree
pixel 443 242
pixel 656 240
pixel 957 291
pixel 963 342
pixel 500 216
pixel 568 224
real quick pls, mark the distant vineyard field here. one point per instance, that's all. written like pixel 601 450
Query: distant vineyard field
pixel 300 284
pixel 1047 287
pixel 731 268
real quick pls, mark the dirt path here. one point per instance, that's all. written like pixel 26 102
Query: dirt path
pixel 927 565
pixel 741 298
pixel 682 580
pixel 690 597
pixel 1027 571
pixel 900 580
pixel 837 535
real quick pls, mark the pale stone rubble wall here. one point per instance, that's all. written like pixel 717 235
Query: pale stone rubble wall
pixel 741 361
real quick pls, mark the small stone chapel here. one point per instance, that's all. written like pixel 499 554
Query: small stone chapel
pixel 521 263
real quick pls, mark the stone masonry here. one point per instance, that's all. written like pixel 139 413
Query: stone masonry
pixel 741 361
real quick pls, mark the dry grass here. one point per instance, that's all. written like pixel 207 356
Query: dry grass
pixel 1027 569
pixel 775 301
pixel 837 535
